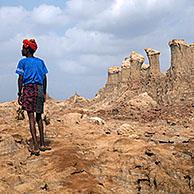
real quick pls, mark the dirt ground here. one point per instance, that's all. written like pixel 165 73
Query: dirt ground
pixel 98 150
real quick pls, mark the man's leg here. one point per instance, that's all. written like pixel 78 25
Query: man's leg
pixel 40 128
pixel 33 130
pixel 39 121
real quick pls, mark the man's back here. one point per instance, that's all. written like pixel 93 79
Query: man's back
pixel 32 69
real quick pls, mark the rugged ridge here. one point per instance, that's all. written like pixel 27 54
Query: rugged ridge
pixel 135 136
pixel 174 86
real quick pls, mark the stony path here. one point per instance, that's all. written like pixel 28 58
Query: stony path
pixel 96 156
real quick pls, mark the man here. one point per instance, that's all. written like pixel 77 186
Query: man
pixel 32 84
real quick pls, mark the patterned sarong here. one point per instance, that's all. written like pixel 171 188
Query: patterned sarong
pixel 33 98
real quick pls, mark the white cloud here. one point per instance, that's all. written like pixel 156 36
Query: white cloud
pixel 48 15
pixel 11 21
pixel 79 41
pixel 12 15
pixel 85 9
pixel 131 17
pixel 119 6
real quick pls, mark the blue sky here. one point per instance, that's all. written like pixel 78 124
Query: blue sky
pixel 80 39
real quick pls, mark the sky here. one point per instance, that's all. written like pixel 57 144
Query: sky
pixel 80 39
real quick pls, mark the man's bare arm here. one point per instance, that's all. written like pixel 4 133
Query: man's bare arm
pixel 20 83
pixel 45 84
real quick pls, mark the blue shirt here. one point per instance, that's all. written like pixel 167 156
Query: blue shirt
pixel 32 69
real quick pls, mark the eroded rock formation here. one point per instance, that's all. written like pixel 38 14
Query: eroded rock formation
pixel 97 153
pixel 135 136
pixel 174 86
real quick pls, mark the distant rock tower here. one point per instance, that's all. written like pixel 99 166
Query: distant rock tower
pixel 176 85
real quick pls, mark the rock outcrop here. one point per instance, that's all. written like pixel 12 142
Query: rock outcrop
pixel 135 136
pixel 97 153
pixel 174 86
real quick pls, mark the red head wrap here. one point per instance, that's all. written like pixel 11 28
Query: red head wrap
pixel 30 43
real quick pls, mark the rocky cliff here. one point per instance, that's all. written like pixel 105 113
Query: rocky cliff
pixel 174 86
pixel 135 136
pixel 96 153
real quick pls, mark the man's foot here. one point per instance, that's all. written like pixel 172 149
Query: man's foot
pixel 34 151
pixel 44 148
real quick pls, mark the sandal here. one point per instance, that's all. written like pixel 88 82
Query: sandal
pixel 33 151
pixel 44 148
